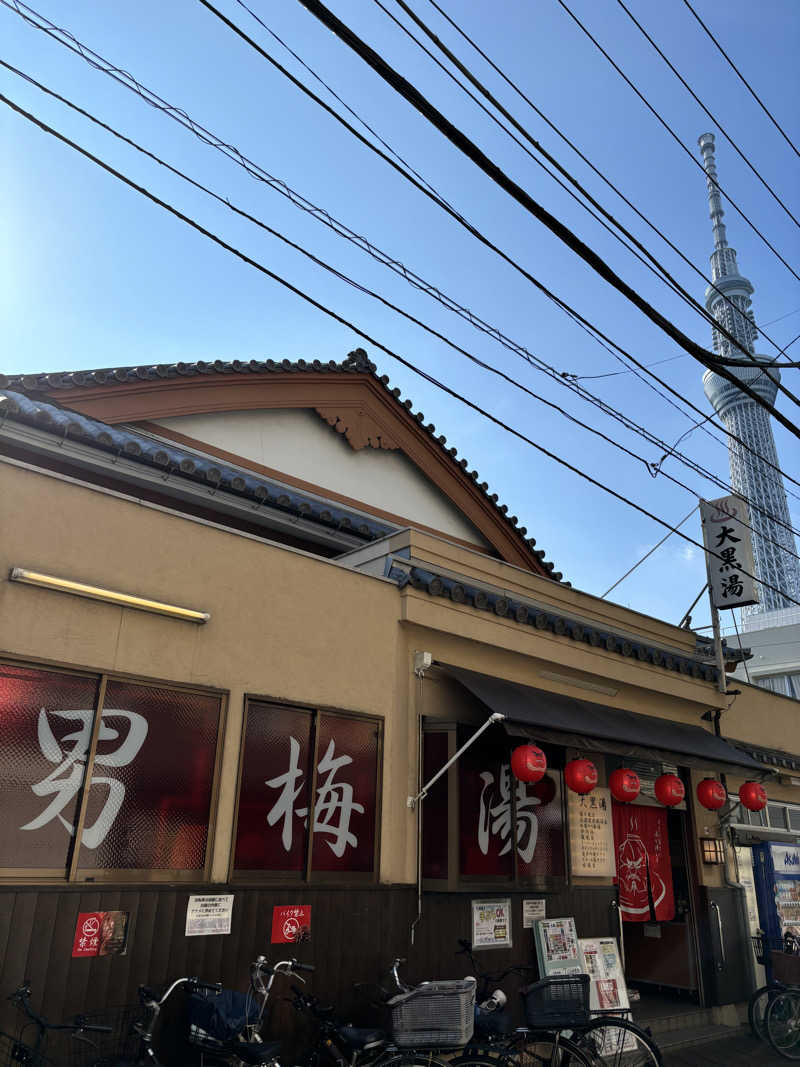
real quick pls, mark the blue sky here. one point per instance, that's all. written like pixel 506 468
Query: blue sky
pixel 93 275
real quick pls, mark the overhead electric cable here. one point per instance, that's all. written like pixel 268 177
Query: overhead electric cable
pixel 674 136
pixel 216 239
pixel 69 41
pixel 387 303
pixel 603 177
pixel 458 138
pixel 646 257
pixel 713 118
pixel 648 554
pixel 744 81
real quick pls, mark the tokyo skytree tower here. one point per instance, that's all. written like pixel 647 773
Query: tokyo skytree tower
pixel 751 477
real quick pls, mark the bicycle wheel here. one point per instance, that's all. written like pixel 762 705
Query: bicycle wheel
pixel 412 1058
pixel 617 1042
pixel 782 1023
pixel 757 1008
pixel 484 1056
pixel 550 1050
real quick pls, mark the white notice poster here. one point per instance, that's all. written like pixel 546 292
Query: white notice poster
pixel 209 915
pixel 531 911
pixel 491 923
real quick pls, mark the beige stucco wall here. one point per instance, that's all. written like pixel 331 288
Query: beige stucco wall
pixel 290 626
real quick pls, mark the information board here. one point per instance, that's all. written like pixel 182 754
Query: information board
pixel 491 923
pixel 591 834
pixel 557 948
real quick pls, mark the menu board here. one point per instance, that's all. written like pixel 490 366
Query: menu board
pixel 600 958
pixel 557 947
pixel 591 834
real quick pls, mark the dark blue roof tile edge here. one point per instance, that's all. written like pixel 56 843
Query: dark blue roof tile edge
pixel 357 362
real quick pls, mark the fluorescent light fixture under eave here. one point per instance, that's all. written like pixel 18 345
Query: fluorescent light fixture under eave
pixel 110 596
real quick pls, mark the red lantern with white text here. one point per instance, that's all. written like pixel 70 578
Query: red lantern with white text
pixel 624 785
pixel 753 795
pixel 580 776
pixel 669 790
pixel 711 794
pixel 528 763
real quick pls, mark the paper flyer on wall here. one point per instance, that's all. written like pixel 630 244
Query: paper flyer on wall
pixel 557 947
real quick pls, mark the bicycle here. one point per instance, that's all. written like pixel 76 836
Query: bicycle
pixel 560 1025
pixel 782 1022
pixel 13 1050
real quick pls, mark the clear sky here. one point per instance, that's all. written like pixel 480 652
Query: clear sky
pixel 93 275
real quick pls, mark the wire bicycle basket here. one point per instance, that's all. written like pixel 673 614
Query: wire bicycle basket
pixel 561 1001
pixel 434 1015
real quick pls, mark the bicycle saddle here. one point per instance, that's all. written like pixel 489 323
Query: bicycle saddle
pixel 256 1052
pixel 360 1037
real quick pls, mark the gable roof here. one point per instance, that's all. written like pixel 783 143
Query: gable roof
pixel 350 396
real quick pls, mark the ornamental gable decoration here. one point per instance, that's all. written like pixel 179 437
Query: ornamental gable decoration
pixel 729 548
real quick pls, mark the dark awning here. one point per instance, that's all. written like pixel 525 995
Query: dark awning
pixel 583 724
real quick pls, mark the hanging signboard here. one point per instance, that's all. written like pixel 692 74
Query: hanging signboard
pixel 557 948
pixel 729 547
pixel 491 923
pixel 591 834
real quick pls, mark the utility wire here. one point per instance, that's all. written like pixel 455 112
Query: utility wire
pixel 647 555
pixel 376 296
pixel 744 81
pixel 345 322
pixel 674 136
pixel 649 260
pixel 603 177
pixel 458 138
pixel 700 103
pixel 68 40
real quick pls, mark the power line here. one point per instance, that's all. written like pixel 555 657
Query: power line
pixel 647 555
pixel 345 322
pixel 675 137
pixel 780 318
pixel 650 261
pixel 581 155
pixel 68 40
pixel 744 81
pixel 715 120
pixel 458 138
pixel 387 303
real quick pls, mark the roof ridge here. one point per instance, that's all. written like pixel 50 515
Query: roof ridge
pixel 356 362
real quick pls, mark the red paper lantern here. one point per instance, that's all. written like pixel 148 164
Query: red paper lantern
pixel 528 763
pixel 711 794
pixel 753 795
pixel 545 790
pixel 624 785
pixel 669 790
pixel 580 776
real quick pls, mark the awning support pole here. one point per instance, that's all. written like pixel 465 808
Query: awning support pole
pixel 412 802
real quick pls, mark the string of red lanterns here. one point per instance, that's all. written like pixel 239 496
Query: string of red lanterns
pixel 529 764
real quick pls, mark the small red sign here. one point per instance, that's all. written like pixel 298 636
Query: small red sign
pixel 87 934
pixel 100 933
pixel 291 923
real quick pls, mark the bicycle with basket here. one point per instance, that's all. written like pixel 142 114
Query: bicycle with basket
pixel 774 1009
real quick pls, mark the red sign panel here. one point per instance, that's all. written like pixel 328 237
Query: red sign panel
pixel 100 933
pixel 291 923
pixel 644 870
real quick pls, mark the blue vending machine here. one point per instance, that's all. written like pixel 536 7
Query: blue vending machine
pixel 776 870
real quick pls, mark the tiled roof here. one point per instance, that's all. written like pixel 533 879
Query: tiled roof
pixel 183 463
pixel 357 362
pixel 526 614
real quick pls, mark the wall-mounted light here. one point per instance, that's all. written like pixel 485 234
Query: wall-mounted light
pixel 712 850
pixel 109 596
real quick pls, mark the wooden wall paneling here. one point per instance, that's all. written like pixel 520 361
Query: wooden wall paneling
pixel 17 952
pixel 59 956
pixel 142 938
pixel 37 966
pixel 79 994
pixel 160 946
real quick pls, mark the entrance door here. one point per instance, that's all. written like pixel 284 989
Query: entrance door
pixel 657 901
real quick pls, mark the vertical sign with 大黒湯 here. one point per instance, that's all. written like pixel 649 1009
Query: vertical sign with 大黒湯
pixel 591 834
pixel 729 552
pixel 491 923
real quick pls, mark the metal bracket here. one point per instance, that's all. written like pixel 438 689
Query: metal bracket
pixel 496 716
